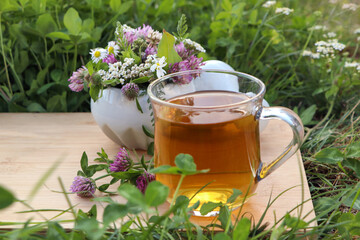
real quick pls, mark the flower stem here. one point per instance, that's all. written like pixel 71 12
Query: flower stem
pixel 103 176
pixel 172 203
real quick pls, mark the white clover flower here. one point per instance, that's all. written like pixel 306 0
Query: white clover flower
pixel 268 4
pixel 98 54
pixel 193 44
pixel 113 48
pixel 351 65
pixel 285 11
pixel 158 66
pixel 350 6
pixel 357 31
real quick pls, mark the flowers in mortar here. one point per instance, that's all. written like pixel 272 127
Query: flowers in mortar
pixel 137 57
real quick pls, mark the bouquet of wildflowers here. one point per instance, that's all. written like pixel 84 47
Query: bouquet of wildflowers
pixel 122 168
pixel 137 57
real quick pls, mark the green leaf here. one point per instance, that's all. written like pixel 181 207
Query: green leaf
pixel 113 212
pixel 353 199
pixel 104 187
pixel 95 3
pixel 126 175
pixel 308 114
pixel 208 207
pixel 94 92
pixel 167 48
pixel 138 106
pixel 84 163
pixel 224 216
pixel 166 169
pixel 150 149
pixel 353 150
pixel 8 6
pixel 46 24
pixel 90 67
pixel 353 164
pixel 156 194
pixel 165 7
pixel 140 80
pixel 115 5
pixel 147 132
pixel 45 87
pixel 294 222
pixel 185 162
pixel 234 196
pixel 242 229
pixel 6 198
pixel 277 232
pixel 253 16
pixel 90 227
pixel 132 194
pixel 72 21
pixel 329 156
pixel 222 236
pixel 125 7
pixel 350 226
pixel 58 35
pixel 226 5
pixel 35 107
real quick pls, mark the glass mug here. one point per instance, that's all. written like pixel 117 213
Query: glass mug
pixel 214 116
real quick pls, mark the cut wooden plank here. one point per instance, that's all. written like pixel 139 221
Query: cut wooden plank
pixel 31 143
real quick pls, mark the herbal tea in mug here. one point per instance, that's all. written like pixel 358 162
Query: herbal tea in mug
pixel 219 126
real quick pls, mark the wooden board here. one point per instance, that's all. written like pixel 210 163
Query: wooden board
pixel 31 143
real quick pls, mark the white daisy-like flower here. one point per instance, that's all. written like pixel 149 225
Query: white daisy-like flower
pixel 357 31
pixel 158 66
pixel 285 11
pixel 113 48
pixel 268 4
pixel 350 6
pixel 358 39
pixel 98 54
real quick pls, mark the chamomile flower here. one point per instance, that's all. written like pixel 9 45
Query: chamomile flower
pixel 158 66
pixel 98 54
pixel 112 48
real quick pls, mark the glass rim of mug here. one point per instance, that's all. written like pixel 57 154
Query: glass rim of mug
pixel 152 96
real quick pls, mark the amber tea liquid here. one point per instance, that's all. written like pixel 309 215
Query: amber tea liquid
pixel 225 140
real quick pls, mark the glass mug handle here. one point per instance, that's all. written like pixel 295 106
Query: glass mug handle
pixel 294 121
